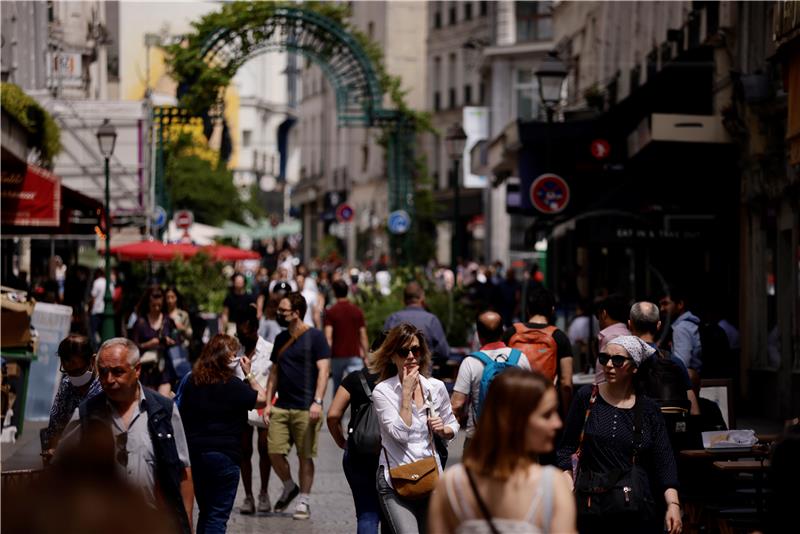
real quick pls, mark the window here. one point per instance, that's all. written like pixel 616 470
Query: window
pixel 371 30
pixel 451 82
pixel 437 83
pixel 467 95
pixel 453 14
pixel 534 21
pixel 482 93
pixel 526 95
pixel 437 17
pixel 246 138
pixel 437 101
pixel 452 99
pixel 483 8
pixel 468 11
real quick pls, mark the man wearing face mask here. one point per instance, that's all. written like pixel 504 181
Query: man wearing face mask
pixel 78 382
pixel 258 350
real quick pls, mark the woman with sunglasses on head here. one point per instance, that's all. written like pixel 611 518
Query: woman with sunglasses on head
pixel 214 406
pixel 78 382
pixel 411 408
pixel 616 451
pixel 500 486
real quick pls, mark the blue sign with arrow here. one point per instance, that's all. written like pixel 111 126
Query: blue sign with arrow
pixel 399 222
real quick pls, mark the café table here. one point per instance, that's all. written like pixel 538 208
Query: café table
pixel 755 467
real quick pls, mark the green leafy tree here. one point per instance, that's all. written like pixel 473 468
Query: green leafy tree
pixel 208 192
pixel 200 281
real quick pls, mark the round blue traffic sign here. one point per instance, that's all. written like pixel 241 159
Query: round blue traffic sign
pixel 549 193
pixel 345 213
pixel 159 217
pixel 399 222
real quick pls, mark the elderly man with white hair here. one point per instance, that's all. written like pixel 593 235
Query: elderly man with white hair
pixel 150 447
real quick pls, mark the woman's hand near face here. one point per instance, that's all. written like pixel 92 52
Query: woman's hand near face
pixel 246 364
pixel 410 381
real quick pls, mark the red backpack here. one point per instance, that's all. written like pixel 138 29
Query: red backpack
pixel 539 346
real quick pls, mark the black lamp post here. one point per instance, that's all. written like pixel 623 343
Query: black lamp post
pixel 455 141
pixel 106 139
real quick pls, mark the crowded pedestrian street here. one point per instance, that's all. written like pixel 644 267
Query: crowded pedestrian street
pixel 400 267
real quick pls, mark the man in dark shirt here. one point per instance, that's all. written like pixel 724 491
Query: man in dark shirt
pixel 299 374
pixel 346 334
pixel 234 303
pixel 416 315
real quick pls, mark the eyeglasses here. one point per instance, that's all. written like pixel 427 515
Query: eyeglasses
pixel 616 360
pixel 122 449
pixel 416 351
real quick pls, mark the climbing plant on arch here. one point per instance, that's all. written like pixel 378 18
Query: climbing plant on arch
pixel 207 59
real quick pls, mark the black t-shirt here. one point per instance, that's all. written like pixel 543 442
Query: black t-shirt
pixel 358 398
pixel 297 368
pixel 215 416
pixel 236 303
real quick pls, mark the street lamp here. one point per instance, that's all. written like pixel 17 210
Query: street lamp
pixel 550 75
pixel 455 140
pixel 106 139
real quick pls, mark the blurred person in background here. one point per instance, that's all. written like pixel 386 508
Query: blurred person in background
pixel 154 333
pixel 78 382
pixel 268 325
pixel 238 298
pixel 346 333
pixel 177 312
pixel 97 305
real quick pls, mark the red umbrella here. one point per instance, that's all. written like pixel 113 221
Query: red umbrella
pixel 226 253
pixel 153 250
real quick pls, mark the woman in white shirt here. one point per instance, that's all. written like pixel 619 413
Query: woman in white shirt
pixel 500 486
pixel 411 407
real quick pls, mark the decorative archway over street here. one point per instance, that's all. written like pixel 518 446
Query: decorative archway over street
pixel 206 60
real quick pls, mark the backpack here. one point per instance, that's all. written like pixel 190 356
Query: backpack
pixel 663 381
pixel 491 369
pixel 364 435
pixel 539 346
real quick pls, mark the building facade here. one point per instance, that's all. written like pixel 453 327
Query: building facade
pixel 348 165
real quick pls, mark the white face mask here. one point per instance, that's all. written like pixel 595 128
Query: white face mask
pixel 234 363
pixel 81 380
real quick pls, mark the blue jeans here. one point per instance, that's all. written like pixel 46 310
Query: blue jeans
pixel 216 478
pixel 360 474
pixel 344 366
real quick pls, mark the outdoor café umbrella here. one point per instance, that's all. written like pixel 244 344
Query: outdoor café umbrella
pixel 228 253
pixel 153 250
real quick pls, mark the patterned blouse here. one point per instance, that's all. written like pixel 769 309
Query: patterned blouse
pixel 67 400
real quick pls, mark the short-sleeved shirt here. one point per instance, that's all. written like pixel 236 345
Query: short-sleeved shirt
pixel 470 374
pixel 236 304
pixel 346 319
pixel 297 368
pixel 215 416
pixel 358 397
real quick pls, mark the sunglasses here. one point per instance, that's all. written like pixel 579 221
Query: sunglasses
pixel 122 449
pixel 616 360
pixel 416 351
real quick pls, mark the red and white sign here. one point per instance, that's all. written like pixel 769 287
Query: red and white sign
pixel 31 199
pixel 600 149
pixel 549 193
pixel 184 219
pixel 345 213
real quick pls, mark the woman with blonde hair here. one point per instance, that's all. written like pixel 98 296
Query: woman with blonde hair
pixel 500 486
pixel 411 408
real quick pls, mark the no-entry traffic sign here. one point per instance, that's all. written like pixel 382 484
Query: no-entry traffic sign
pixel 600 149
pixel 549 193
pixel 183 219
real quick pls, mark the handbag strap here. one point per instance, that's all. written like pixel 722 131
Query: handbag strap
pixel 291 341
pixel 592 400
pixel 481 504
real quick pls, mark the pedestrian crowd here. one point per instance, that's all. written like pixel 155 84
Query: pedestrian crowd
pixel 184 432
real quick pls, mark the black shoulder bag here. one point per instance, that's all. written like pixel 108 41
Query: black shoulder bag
pixel 622 493
pixel 365 434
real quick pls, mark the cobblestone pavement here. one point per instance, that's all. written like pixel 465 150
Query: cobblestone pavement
pixel 332 510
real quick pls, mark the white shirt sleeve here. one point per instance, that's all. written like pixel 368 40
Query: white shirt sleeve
pixel 443 407
pixel 466 374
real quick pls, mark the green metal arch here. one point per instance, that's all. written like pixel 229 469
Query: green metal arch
pixel 359 98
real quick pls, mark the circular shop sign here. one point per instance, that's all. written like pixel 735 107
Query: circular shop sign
pixel 549 193
pixel 399 222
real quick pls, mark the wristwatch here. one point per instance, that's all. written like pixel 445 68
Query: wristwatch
pixel 318 401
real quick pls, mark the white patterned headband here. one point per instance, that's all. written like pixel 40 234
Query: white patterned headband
pixel 636 348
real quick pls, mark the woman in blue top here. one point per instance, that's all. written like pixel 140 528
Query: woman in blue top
pixel 214 406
